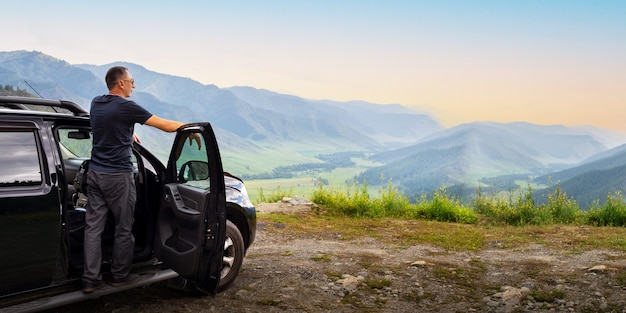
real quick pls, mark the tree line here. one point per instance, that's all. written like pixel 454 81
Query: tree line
pixel 8 90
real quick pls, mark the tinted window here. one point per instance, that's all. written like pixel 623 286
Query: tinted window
pixel 19 160
pixel 193 165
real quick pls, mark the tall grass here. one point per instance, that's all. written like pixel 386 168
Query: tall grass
pixel 612 213
pixel 559 209
pixel 276 195
pixel 516 209
pixel 355 201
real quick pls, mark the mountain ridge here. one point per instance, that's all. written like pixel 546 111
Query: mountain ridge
pixel 259 130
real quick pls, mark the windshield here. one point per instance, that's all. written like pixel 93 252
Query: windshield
pixel 75 142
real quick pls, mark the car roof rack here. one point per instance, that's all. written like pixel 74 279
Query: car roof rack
pixel 44 105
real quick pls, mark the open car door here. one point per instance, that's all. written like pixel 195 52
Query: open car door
pixel 191 225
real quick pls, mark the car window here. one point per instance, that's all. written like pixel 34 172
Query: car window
pixel 19 160
pixel 75 142
pixel 193 165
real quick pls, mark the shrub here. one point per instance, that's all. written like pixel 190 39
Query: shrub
pixel 494 208
pixel 444 209
pixel 520 210
pixel 612 213
pixel 391 203
pixel 277 195
pixel 563 210
pixel 524 211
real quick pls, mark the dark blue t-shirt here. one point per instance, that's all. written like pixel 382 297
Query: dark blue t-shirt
pixel 113 121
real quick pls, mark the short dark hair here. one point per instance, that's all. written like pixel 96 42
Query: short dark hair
pixel 114 74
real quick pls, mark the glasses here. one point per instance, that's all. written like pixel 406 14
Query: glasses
pixel 132 80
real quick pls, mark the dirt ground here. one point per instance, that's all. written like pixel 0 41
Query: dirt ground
pixel 322 273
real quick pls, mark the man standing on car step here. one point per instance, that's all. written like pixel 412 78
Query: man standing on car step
pixel 110 180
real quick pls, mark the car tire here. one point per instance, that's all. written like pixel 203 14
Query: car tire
pixel 233 255
pixel 231 263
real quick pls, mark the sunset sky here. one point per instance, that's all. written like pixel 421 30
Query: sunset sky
pixel 540 61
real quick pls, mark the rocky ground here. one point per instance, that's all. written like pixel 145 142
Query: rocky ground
pixel 323 273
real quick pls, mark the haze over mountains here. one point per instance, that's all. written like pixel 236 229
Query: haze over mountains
pixel 260 130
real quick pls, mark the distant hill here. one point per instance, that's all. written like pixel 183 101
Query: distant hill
pixel 261 115
pixel 260 132
pixel 602 161
pixel 252 123
pixel 50 77
pixel 471 153
pixel 592 179
pixel 592 186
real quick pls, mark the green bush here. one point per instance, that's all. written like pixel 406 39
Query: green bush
pixel 391 203
pixel 353 201
pixel 356 202
pixel 562 210
pixel 444 209
pixel 277 195
pixel 519 209
pixel 612 213
pixel 493 208
pixel 524 211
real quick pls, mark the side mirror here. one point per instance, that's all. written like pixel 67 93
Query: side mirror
pixel 193 170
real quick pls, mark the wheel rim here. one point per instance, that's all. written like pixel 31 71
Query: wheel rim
pixel 229 257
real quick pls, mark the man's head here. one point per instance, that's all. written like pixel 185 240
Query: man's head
pixel 119 81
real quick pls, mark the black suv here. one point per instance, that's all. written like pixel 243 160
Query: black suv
pixel 193 222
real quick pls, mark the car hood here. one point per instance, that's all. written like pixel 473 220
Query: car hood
pixel 236 191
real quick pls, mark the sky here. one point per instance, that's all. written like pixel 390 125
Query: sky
pixel 540 61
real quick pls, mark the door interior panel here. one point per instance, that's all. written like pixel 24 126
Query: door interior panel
pixel 182 227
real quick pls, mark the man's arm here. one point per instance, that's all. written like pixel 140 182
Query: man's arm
pixel 163 124
pixel 170 127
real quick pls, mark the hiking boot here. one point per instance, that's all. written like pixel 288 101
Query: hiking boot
pixel 131 278
pixel 91 286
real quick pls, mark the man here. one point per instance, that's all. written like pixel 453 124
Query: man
pixel 110 177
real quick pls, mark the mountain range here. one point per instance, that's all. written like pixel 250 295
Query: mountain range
pixel 260 130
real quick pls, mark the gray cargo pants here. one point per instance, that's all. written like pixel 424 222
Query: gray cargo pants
pixel 115 193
